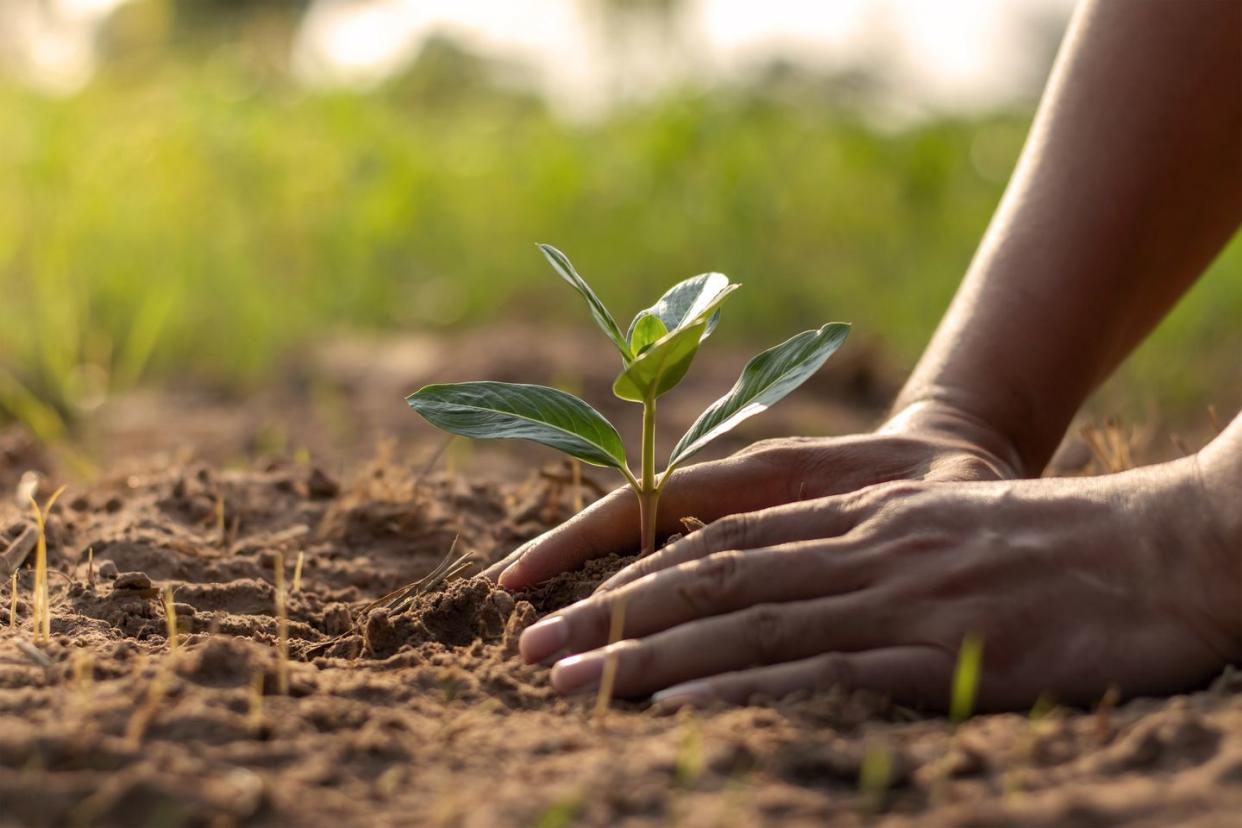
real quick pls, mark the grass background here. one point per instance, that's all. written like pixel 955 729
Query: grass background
pixel 201 222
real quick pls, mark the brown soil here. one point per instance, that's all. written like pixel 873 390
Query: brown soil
pixel 422 714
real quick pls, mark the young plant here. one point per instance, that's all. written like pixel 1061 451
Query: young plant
pixel 656 352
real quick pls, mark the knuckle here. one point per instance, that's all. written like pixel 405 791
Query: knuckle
pixel 766 630
pixel 636 657
pixel 727 532
pixel 921 542
pixel 834 670
pixel 717 578
pixel 963 468
pixel 595 617
pixel 899 491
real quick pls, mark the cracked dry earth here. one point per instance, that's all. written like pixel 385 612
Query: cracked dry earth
pixel 421 714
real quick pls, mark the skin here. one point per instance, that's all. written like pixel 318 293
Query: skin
pixel 863 561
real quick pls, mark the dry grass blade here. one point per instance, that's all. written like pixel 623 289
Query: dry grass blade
pixel 297 572
pixel 446 569
pixel 282 628
pixel 616 624
pixel 399 599
pixel 170 618
pixel 1110 446
pixel 13 601
pixel 42 604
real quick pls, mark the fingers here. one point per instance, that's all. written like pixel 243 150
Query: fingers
pixel 492 573
pixel 763 634
pixel 917 676
pixel 716 585
pixel 707 491
pixel 827 517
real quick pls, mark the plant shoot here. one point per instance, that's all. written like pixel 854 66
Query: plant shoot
pixel 656 351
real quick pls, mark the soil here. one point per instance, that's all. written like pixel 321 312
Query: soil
pixel 417 710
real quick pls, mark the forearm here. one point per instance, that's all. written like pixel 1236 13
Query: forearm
pixel 1130 183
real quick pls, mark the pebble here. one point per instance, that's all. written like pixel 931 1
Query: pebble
pixel 503 602
pixel 107 569
pixel 320 486
pixel 133 580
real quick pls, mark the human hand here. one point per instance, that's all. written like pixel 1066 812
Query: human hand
pixel 927 442
pixel 1074 584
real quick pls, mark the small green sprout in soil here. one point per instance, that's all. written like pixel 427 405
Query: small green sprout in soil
pixel 656 352
pixel 966 678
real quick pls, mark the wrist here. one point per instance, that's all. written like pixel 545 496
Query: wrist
pixel 1220 470
pixel 944 420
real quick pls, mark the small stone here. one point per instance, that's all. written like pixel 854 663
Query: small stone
pixel 107 569
pixel 320 486
pixel 133 580
pixel 503 602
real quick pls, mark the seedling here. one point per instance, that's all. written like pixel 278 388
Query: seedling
pixel 656 352
pixel 966 678
pixel 875 775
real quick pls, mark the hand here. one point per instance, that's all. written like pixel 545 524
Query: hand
pixel 927 441
pixel 1074 584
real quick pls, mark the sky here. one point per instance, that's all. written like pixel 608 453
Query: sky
pixel 940 54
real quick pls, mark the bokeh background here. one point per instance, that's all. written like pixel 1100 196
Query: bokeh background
pixel 192 192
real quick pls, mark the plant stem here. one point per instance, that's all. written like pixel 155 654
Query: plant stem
pixel 648 492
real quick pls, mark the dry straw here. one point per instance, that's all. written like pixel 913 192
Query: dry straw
pixel 608 679
pixel 282 628
pixel 42 605
pixel 170 617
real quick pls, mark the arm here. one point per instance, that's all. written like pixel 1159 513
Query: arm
pixel 1130 183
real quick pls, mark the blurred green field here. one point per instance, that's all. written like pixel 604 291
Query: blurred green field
pixel 200 222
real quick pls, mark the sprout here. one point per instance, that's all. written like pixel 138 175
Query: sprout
pixel 656 352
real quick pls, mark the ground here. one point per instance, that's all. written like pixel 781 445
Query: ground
pixel 416 710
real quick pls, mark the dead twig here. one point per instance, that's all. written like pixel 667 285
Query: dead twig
pixel 400 599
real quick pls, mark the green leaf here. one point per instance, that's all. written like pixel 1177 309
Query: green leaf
pixel 644 331
pixel 690 302
pixel 659 368
pixel 602 317
pixel 502 410
pixel 765 380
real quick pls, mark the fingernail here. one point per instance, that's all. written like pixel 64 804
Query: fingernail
pixel 509 577
pixel 541 640
pixel 692 692
pixel 576 672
